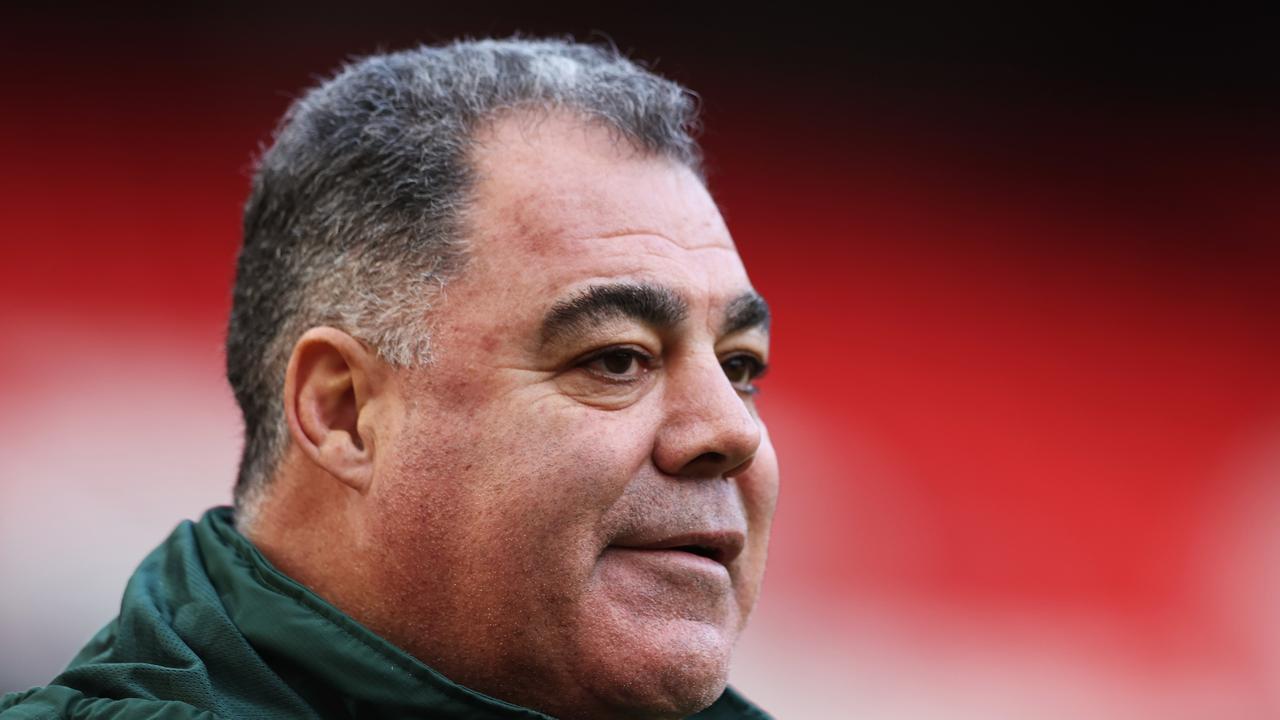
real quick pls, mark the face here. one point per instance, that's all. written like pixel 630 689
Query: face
pixel 573 511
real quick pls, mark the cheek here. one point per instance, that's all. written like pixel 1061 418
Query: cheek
pixel 525 473
pixel 759 492
pixel 571 463
pixel 759 487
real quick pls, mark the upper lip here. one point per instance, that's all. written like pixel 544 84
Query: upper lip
pixel 719 545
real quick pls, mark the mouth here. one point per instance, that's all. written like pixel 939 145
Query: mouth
pixel 721 546
pixel 702 550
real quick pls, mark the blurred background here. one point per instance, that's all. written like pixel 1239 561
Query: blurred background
pixel 1026 276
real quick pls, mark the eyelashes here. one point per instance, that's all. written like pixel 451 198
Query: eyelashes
pixel 621 364
pixel 626 365
pixel 743 370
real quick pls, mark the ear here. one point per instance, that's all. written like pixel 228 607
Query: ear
pixel 329 389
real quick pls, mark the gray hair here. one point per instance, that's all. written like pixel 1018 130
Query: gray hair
pixel 353 220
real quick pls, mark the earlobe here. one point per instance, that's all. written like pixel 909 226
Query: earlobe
pixel 329 384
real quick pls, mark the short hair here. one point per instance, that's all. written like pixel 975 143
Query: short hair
pixel 353 219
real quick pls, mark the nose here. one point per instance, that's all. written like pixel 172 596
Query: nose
pixel 708 429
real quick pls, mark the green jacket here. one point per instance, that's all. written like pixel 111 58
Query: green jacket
pixel 209 629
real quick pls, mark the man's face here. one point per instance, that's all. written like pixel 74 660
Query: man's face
pixel 574 509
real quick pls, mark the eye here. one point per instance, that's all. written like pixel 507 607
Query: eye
pixel 741 370
pixel 618 364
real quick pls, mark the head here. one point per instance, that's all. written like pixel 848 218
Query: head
pixel 496 355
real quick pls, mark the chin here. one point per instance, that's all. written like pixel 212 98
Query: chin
pixel 671 671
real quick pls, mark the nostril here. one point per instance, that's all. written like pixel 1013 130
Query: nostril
pixel 706 465
pixel 711 458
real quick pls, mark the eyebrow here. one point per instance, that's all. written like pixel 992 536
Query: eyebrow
pixel 746 311
pixel 653 305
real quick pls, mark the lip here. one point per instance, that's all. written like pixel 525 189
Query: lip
pixel 718 546
pixel 672 563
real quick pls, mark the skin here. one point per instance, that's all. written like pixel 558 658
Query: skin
pixel 483 512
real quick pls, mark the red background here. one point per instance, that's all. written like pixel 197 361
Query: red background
pixel 1024 389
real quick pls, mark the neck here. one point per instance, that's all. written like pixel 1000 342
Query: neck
pixel 307 525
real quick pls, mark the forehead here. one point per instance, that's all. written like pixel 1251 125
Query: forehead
pixel 560 203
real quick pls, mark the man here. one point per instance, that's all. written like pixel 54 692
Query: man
pixel 496 357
